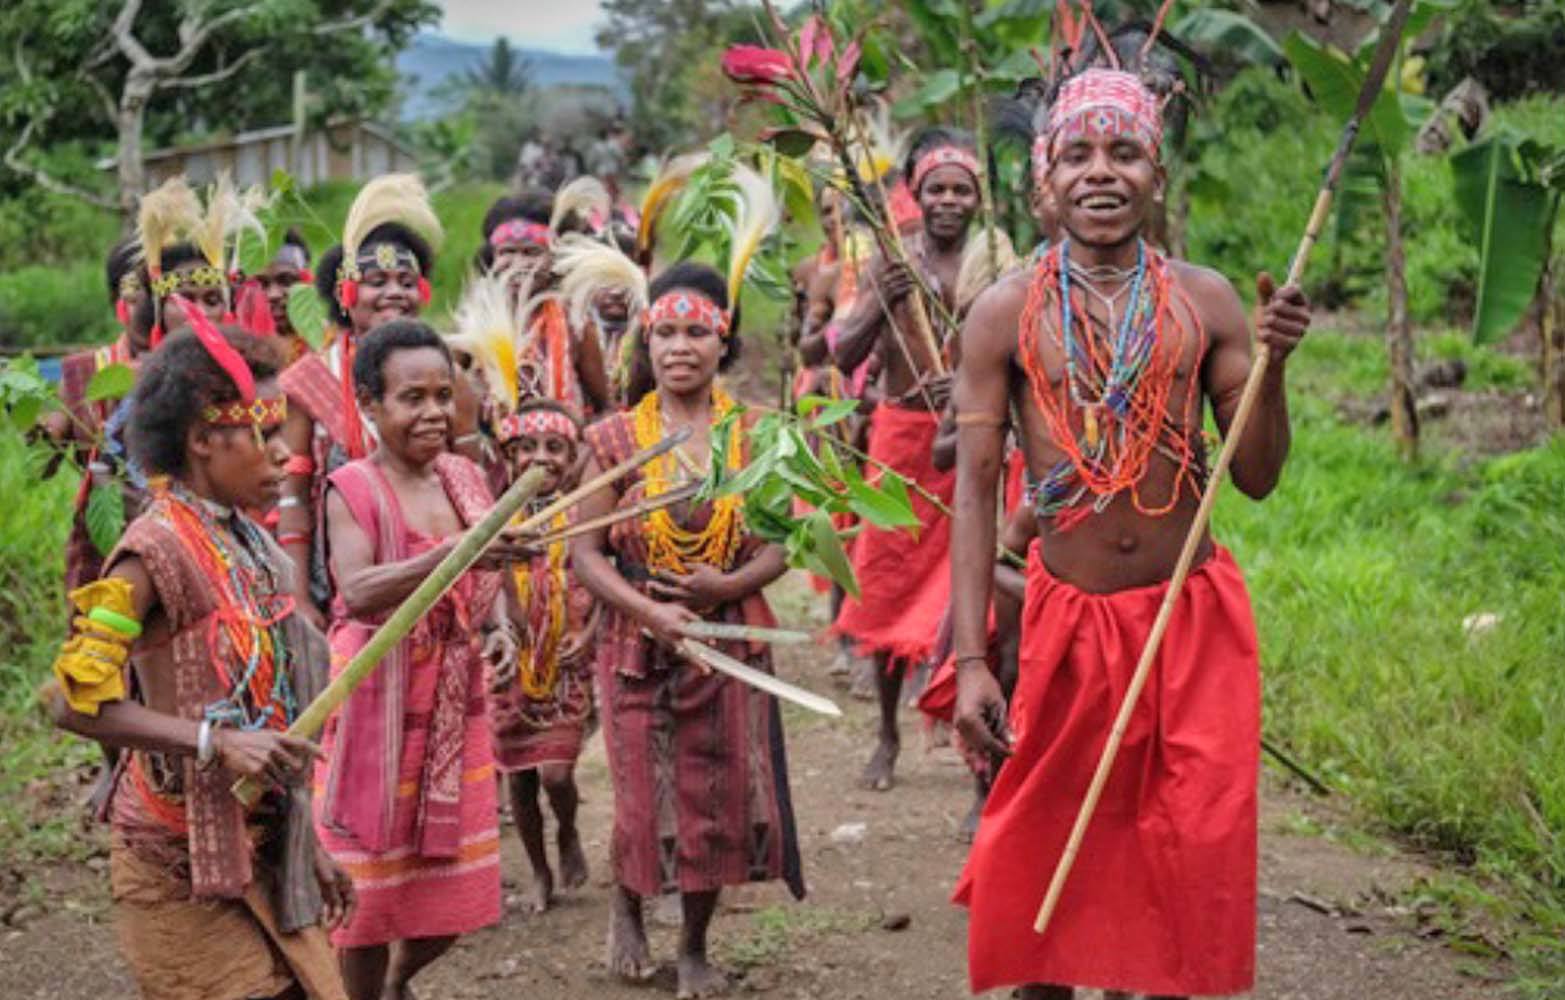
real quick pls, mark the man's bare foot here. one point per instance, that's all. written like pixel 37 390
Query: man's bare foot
pixel 969 828
pixel 540 891
pixel 573 861
pixel 863 687
pixel 841 665
pixel 629 956
pixel 699 978
pixel 880 773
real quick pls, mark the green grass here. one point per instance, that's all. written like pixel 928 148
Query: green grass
pixel 1363 570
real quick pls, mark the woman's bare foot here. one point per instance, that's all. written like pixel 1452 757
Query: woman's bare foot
pixel 573 861
pixel 880 773
pixel 699 978
pixel 629 956
pixel 539 893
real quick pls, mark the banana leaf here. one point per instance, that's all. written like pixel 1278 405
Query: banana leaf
pixel 1513 217
pixel 1335 81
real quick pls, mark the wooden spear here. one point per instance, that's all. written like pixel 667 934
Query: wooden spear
pixel 1389 41
pixel 445 575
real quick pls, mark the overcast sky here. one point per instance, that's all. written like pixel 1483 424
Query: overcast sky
pixel 555 25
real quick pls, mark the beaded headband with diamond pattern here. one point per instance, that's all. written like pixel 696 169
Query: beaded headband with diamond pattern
pixel 515 231
pixel 533 423
pixel 263 414
pixel 1099 101
pixel 686 305
pixel 943 156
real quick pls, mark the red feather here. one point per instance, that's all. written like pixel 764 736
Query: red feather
pixel 218 347
pixel 255 313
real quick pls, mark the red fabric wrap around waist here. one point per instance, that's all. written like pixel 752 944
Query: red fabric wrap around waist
pixel 904 576
pixel 1162 897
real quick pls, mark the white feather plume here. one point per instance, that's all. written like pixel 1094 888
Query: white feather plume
pixel 587 267
pixel 389 198
pixel 584 197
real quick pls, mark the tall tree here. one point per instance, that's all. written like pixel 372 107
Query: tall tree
pixel 504 73
pixel 79 66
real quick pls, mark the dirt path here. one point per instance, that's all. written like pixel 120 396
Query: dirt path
pixel 836 944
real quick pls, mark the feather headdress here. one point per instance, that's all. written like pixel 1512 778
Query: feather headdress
pixel 487 328
pixel 389 198
pixel 756 214
pixel 165 217
pixel 674 175
pixel 585 197
pixel 587 267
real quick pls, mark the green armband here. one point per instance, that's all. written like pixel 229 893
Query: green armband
pixel 123 624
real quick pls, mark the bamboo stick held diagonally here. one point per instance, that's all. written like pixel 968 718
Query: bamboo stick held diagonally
pixel 1390 40
pixel 445 575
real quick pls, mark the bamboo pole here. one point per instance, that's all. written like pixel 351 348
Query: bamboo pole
pixel 614 517
pixel 1390 39
pixel 445 575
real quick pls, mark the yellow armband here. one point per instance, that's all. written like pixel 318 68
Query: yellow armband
pixel 91 665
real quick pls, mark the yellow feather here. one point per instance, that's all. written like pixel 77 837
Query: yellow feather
pixel 757 215
pixel 486 327
pixel 674 175
pixel 164 217
pixel 585 196
pixel 389 198
pixel 222 204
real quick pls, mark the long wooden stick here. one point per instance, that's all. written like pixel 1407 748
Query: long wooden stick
pixel 445 575
pixel 1390 39
pixel 613 517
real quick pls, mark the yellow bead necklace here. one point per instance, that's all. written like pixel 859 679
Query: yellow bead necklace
pixel 670 547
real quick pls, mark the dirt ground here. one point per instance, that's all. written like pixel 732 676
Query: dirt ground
pixel 877 923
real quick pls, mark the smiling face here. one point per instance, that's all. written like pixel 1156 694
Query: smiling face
pixel 385 293
pixel 1101 187
pixel 235 471
pixel 948 197
pixel 685 355
pixel 414 413
pixel 554 453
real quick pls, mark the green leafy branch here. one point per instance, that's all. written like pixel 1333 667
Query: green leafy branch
pixel 793 454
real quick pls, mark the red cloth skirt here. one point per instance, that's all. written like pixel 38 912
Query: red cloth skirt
pixel 904 576
pixel 1162 897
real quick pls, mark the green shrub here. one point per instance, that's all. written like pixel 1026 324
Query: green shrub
pixel 54 305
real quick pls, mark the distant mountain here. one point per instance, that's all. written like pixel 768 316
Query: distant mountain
pixel 433 57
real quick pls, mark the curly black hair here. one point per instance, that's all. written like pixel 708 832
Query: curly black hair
pixel 176 382
pixel 695 277
pixel 370 354
pixel 388 232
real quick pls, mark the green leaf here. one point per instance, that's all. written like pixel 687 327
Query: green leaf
pixel 826 545
pixel 105 516
pixel 282 182
pixel 1225 33
pixel 937 88
pixel 885 505
pixel 110 382
pixel 1513 219
pixel 25 412
pixel 307 313
pixel 1336 81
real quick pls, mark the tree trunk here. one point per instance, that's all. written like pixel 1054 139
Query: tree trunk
pixel 1399 331
pixel 1551 327
pixel 132 172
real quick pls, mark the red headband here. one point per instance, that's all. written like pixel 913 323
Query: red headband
pixel 536 422
pixel 943 156
pixel 1101 102
pixel 520 231
pixel 688 305
pixel 248 411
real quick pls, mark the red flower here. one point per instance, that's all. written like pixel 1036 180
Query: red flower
pixel 753 64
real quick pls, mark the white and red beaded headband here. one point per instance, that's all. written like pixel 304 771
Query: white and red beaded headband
pixel 1100 102
pixel 943 156
pixel 515 231
pixel 687 305
pixel 535 423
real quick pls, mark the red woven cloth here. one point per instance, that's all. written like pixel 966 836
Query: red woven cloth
pixel 1162 897
pixel 904 576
